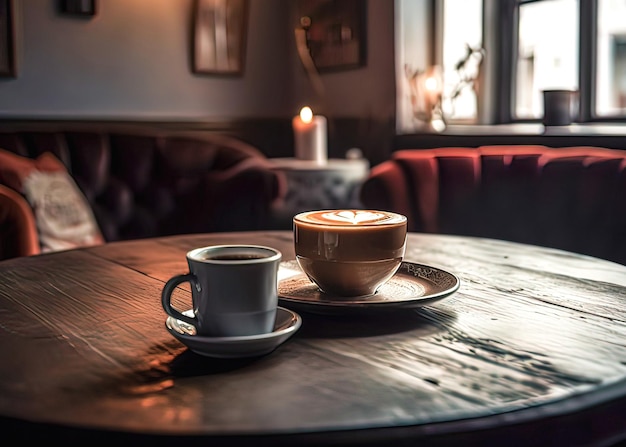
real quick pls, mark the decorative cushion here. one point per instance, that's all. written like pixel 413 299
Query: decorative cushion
pixel 62 213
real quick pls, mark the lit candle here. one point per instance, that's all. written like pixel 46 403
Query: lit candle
pixel 310 136
pixel 433 90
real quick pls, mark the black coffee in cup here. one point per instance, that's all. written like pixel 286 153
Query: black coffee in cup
pixel 234 257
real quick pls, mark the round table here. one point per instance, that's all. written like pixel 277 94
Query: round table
pixel 531 350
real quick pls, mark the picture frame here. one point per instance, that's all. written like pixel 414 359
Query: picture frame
pixel 7 39
pixel 79 7
pixel 335 33
pixel 219 37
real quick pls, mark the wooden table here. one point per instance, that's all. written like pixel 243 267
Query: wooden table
pixel 531 350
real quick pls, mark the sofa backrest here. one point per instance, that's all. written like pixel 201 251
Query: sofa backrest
pixel 18 229
pixel 143 183
pixel 570 198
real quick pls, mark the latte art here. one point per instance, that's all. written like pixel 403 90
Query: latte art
pixel 351 217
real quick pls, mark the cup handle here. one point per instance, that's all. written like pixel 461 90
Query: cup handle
pixel 166 297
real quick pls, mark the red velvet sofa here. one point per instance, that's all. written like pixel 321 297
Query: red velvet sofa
pixel 142 181
pixel 570 198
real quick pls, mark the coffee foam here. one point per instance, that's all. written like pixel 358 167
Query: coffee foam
pixel 350 218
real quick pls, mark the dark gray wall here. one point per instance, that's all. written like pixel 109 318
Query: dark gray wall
pixel 367 92
pixel 132 60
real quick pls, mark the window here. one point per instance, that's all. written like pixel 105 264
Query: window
pixel 518 49
pixel 611 59
pixel 547 53
pixel 462 58
pixel 565 44
pixel 437 76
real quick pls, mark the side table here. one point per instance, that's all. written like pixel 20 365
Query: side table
pixel 310 185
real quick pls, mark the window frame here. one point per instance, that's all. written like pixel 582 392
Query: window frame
pixel 507 25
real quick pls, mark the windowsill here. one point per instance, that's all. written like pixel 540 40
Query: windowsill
pixel 587 129
pixel 610 135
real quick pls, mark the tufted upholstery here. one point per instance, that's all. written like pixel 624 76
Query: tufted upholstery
pixel 568 198
pixel 146 182
pixel 17 224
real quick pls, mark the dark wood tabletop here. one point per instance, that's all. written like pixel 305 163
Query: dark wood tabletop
pixel 531 350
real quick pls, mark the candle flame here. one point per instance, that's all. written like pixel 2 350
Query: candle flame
pixel 306 114
pixel 431 84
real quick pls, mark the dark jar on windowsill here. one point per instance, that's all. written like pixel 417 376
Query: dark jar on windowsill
pixel 560 107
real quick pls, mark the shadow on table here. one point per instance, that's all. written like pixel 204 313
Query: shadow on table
pixel 168 361
pixel 190 364
pixel 423 321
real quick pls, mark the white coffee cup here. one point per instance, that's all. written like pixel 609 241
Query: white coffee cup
pixel 233 290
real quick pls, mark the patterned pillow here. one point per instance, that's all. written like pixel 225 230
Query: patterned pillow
pixel 62 213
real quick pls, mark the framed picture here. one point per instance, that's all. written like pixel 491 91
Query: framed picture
pixel 79 7
pixel 219 36
pixel 7 39
pixel 335 32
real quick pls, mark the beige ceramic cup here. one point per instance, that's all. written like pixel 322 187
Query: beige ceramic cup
pixel 349 252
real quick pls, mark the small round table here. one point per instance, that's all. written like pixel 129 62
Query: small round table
pixel 531 350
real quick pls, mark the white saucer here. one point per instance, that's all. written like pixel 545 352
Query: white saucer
pixel 287 323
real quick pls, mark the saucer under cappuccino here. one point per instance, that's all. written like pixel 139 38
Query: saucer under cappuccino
pixel 349 252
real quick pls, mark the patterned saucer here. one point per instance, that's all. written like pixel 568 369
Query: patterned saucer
pixel 413 285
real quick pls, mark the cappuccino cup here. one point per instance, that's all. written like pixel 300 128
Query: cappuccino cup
pixel 349 252
pixel 233 290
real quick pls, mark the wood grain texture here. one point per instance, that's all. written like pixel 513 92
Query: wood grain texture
pixel 531 349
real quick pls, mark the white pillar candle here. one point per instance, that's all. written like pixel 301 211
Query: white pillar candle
pixel 310 137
